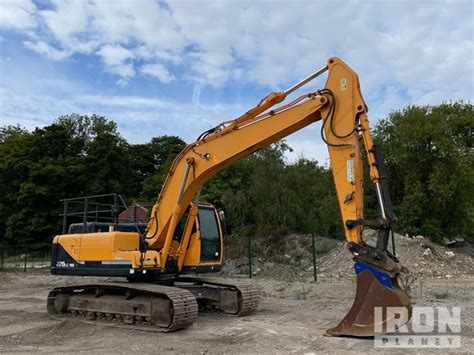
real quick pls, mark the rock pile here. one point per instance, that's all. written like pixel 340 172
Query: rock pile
pixel 421 256
pixel 290 257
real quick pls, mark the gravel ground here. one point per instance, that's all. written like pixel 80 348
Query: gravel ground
pixel 291 319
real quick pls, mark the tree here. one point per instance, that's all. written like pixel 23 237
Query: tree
pixel 108 161
pixel 264 194
pixel 429 157
pixel 36 170
pixel 152 161
pixel 428 152
pixel 13 169
pixel 74 156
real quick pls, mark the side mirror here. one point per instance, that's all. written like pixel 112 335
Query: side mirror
pixel 221 215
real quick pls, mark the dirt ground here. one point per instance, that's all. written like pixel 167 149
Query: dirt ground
pixel 292 318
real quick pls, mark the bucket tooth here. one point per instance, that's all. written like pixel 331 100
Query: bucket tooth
pixel 375 288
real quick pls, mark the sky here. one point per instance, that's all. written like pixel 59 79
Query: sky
pixel 181 67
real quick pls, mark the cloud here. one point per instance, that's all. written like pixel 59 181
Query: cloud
pixel 211 62
pixel 429 54
pixel 115 57
pixel 139 118
pixel 121 82
pixel 18 14
pixel 123 36
pixel 31 110
pixel 417 46
pixel 45 49
pixel 307 143
pixel 158 71
pixel 125 101
pixel 68 19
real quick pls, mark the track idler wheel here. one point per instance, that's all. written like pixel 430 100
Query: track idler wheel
pixel 375 288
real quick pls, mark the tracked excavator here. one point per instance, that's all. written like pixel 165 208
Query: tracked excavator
pixel 184 236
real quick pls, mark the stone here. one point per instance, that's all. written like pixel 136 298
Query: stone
pixel 427 252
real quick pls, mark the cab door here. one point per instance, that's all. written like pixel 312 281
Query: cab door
pixel 210 232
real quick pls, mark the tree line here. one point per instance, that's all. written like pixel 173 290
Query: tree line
pixel 428 152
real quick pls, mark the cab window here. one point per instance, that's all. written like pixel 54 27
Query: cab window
pixel 210 239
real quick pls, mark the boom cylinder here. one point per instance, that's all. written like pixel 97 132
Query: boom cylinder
pixel 307 80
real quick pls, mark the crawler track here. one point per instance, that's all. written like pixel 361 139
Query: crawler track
pixel 151 307
pixel 248 294
pixel 137 306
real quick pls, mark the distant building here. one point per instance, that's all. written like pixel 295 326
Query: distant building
pixel 135 213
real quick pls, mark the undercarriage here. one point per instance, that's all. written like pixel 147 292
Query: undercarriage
pixel 151 306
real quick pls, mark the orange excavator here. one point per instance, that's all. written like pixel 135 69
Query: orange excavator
pixel 184 236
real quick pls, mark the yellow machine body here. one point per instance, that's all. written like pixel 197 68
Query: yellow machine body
pixel 118 253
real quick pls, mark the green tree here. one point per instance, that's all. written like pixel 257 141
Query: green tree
pixel 108 161
pixel 74 156
pixel 36 170
pixel 152 161
pixel 14 166
pixel 264 194
pixel 429 156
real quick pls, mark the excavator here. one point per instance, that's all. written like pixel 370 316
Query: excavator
pixel 157 289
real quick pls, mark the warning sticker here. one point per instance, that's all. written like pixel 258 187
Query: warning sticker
pixel 343 84
pixel 350 170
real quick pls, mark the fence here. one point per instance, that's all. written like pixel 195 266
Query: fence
pixel 34 256
pixel 88 213
pixel 301 250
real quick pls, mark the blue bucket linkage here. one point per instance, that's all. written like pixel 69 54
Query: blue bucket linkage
pixel 381 276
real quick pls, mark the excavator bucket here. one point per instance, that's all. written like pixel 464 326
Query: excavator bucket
pixel 375 288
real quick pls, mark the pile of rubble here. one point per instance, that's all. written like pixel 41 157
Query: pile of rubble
pixel 418 254
pixel 290 257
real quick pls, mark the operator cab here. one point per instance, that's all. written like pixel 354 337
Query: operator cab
pixel 205 247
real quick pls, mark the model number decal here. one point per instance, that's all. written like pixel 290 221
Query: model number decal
pixel 64 264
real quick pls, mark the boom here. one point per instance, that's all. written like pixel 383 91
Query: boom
pixel 344 113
